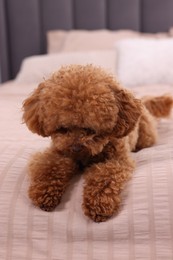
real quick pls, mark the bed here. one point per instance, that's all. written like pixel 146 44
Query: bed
pixel 130 39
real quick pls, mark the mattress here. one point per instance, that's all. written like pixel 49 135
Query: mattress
pixel 143 229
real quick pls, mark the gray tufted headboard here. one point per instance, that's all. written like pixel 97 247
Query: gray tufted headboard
pixel 23 23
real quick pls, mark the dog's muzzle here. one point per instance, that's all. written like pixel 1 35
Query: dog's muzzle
pixel 77 148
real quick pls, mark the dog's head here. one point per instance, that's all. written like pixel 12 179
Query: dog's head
pixel 80 107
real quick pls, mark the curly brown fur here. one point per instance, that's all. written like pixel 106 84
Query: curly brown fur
pixel 159 106
pixel 93 123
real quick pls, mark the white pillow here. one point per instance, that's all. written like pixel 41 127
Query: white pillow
pixel 89 40
pixel 145 61
pixel 37 68
pixel 85 40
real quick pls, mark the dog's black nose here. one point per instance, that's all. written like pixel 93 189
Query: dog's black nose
pixel 77 147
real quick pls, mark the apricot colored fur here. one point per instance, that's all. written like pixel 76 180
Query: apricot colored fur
pixel 94 124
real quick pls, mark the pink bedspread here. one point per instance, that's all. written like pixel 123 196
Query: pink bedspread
pixel 142 230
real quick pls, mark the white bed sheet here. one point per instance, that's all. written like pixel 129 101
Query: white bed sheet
pixel 143 229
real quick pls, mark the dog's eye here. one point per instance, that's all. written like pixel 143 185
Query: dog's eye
pixel 89 131
pixel 62 130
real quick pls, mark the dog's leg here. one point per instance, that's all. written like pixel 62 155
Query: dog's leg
pixel 49 174
pixel 103 185
pixel 147 132
pixel 155 107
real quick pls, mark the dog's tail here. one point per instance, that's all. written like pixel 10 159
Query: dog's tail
pixel 160 106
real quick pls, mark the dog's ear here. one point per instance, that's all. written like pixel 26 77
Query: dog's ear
pixel 32 112
pixel 129 112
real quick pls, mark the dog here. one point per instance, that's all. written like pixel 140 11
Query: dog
pixel 94 124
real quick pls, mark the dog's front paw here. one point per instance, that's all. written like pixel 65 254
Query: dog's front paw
pixel 100 207
pixel 45 197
